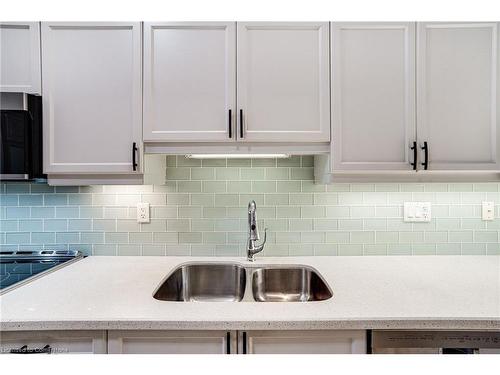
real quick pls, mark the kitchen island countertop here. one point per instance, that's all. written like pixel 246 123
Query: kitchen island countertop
pixel 383 292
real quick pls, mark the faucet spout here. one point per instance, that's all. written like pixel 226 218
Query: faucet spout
pixel 253 233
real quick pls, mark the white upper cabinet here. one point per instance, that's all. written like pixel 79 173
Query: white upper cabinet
pixel 373 95
pixel 283 82
pixel 20 57
pixel 457 86
pixel 189 81
pixel 92 97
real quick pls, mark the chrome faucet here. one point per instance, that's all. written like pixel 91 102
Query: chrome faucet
pixel 253 233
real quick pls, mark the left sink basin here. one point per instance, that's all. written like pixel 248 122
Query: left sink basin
pixel 221 282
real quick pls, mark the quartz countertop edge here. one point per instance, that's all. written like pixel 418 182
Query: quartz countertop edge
pixel 369 292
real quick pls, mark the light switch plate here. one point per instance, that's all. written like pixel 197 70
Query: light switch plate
pixel 417 212
pixel 488 211
pixel 143 213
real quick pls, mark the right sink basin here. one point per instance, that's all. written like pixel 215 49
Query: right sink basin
pixel 288 284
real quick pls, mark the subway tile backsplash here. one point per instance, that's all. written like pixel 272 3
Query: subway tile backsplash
pixel 201 211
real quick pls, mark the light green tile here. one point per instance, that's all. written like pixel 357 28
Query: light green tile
pixel 227 200
pixel 239 186
pixel 411 187
pixel 302 173
pixel 214 237
pixel 164 212
pixel 479 224
pixel 401 249
pixel 338 187
pixel 166 237
pixel 473 198
pixel 205 225
pixel 398 198
pixel 350 250
pixel 444 224
pixel 362 237
pixel 337 237
pixel 190 237
pixel 105 225
pixel 264 186
pixel 375 224
pixel 436 187
pixel 202 173
pixel 129 250
pixel 312 212
pixel 448 249
pixel 104 250
pixel 153 250
pixel 387 237
pixel 189 186
pixel 277 225
pixel 436 237
pixel 350 224
pixel 301 224
pixel 126 225
pixel 140 238
pixel 171 161
pixel 312 237
pixel 115 213
pixel 493 249
pixel 474 249
pixel 263 162
pixel 387 187
pixel 287 237
pixel 461 236
pixel 155 225
pixel 203 250
pixel 371 250
pixel 276 250
pixel 227 174
pixel 485 236
pixel 325 224
pixel 448 198
pixel 350 198
pixel 337 212
pixel 116 237
pixel 227 225
pixel 192 212
pixel 301 199
pixel 214 212
pixel 461 211
pixel 289 186
pixel 488 187
pixel 178 225
pixel 178 173
pixel 214 186
pixel 178 249
pixel 301 250
pixel 277 173
pixel 424 249
pixel 239 237
pixel 325 198
pixel 246 198
pixel 276 199
pixel 375 198
pixel 411 237
pixel 325 249
pixel 252 174
pixel 177 199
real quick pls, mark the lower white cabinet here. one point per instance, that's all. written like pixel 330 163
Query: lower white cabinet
pixel 53 342
pixel 172 342
pixel 302 342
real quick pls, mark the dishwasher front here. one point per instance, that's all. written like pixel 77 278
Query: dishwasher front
pixel 435 342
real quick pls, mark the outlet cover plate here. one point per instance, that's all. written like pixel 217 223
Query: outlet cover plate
pixel 417 212
pixel 143 213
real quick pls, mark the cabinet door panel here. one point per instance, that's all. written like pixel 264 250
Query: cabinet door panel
pixel 306 342
pixel 170 342
pixel 92 104
pixel 20 57
pixel 457 83
pixel 373 95
pixel 283 81
pixel 189 81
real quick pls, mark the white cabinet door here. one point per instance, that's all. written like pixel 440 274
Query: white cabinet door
pixel 373 95
pixel 171 342
pixel 283 82
pixel 92 96
pixel 189 81
pixel 457 84
pixel 20 57
pixel 59 342
pixel 304 342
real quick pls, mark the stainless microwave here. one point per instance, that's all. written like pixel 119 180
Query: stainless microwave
pixel 21 141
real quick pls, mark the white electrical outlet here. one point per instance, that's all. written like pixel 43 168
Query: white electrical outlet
pixel 143 213
pixel 417 212
pixel 488 211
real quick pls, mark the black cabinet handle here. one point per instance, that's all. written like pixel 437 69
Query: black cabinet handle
pixel 426 155
pixel 244 343
pixel 241 123
pixel 228 343
pixel 134 162
pixel 414 148
pixel 24 350
pixel 230 125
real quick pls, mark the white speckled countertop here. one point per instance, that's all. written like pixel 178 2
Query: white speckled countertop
pixel 426 292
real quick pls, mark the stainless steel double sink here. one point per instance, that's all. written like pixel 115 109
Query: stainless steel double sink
pixel 227 282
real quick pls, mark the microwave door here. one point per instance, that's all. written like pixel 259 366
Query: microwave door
pixel 15 145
